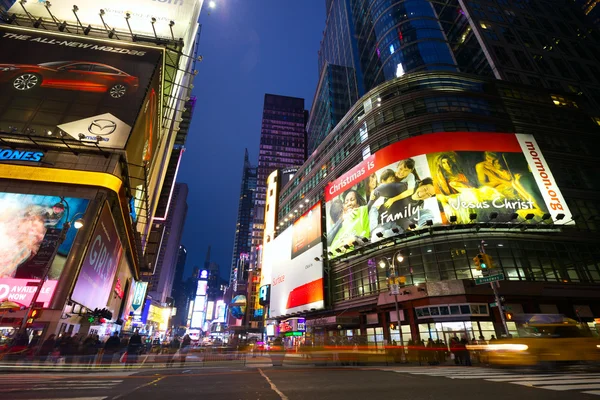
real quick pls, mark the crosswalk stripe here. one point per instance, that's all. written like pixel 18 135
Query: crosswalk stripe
pixel 557 381
pixel 551 381
pixel 47 388
pixel 72 398
pixel 570 387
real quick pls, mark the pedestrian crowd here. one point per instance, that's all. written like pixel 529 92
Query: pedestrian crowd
pixel 89 350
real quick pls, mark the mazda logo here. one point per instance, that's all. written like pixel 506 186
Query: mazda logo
pixel 102 127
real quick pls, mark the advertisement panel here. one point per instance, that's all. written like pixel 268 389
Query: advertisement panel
pixel 297 278
pixel 90 89
pixel 30 230
pixel 21 291
pixel 99 265
pixel 220 311
pixel 439 178
pixel 183 13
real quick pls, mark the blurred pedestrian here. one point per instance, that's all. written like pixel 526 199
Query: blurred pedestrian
pixel 111 346
pixel 173 348
pixel 47 347
pixel 185 348
pixel 133 348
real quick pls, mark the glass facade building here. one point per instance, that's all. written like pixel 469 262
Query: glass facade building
pixel 242 242
pixel 547 268
pixel 282 144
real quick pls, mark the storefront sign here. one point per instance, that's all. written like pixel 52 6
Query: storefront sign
pixel 20 155
pixel 118 289
pixel 264 295
pixel 139 295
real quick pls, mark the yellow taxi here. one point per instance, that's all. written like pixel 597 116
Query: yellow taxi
pixel 545 345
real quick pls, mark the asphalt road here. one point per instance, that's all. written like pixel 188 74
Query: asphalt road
pixel 309 383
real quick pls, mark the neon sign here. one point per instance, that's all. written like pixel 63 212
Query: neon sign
pixel 21 155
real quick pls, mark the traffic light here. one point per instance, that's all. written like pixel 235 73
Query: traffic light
pixel 509 315
pixel 393 326
pixel 34 314
pixel 489 261
pixel 480 262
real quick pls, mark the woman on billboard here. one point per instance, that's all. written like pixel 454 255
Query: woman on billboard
pixel 354 221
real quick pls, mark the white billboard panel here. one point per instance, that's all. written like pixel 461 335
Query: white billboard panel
pixel 297 278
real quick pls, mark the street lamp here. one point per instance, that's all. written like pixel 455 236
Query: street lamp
pixel 77 223
pixel 383 263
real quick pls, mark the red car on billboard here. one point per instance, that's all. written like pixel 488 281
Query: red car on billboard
pixel 69 75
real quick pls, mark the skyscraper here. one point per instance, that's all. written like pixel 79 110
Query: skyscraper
pixel 161 282
pixel 282 144
pixel 178 291
pixel 242 241
pixel 548 44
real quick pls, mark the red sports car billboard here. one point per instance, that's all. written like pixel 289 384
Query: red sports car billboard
pixel 89 89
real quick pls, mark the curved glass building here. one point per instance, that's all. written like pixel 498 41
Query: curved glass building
pixel 461 130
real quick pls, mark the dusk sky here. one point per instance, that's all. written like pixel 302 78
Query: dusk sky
pixel 250 48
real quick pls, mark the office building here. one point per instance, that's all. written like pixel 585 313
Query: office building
pixel 160 283
pixel 548 44
pixel 242 241
pixel 282 144
pixel 444 83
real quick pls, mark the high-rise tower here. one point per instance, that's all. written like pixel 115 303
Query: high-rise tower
pixel 243 229
pixel 282 144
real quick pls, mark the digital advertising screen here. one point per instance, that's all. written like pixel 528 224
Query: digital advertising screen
pixel 90 89
pixel 296 277
pixel 440 178
pixel 30 229
pixel 93 286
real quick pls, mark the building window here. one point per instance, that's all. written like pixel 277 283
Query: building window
pixel 523 60
pixel 503 56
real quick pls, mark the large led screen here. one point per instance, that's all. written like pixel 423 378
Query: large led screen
pixel 99 266
pixel 440 178
pixel 297 277
pixel 89 89
pixel 30 229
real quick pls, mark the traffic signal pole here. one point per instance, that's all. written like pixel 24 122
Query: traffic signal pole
pixel 494 286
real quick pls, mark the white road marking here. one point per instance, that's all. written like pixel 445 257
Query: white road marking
pixel 273 387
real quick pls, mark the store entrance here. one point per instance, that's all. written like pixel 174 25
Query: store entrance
pixel 448 335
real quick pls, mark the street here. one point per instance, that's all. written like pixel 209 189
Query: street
pixel 261 381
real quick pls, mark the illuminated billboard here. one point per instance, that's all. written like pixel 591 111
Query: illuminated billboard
pixel 220 311
pixel 90 89
pixel 183 13
pixel 30 230
pixel 297 277
pixel 99 266
pixel 139 295
pixel 438 179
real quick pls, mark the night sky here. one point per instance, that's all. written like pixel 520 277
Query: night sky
pixel 250 48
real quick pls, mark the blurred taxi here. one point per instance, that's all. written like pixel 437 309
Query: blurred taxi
pixel 543 344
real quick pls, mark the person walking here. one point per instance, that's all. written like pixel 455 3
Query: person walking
pixel 185 348
pixel 133 349
pixel 173 348
pixel 111 346
pixel 47 348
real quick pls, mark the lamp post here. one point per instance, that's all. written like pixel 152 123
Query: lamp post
pixel 395 290
pixel 77 224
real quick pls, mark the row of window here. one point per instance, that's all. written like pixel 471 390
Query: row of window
pixel 523 260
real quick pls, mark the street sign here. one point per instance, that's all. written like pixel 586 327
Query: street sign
pixel 489 279
pixel 494 304
pixel 394 288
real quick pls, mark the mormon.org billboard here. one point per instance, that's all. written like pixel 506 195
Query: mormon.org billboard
pixel 440 178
